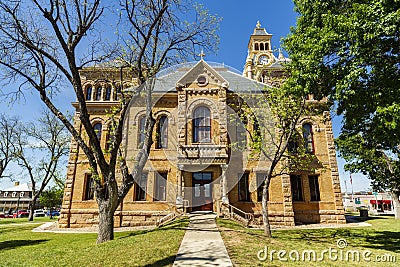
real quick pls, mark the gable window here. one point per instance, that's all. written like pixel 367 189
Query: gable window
pixel 162 132
pixel 89 93
pixel 89 187
pixel 243 187
pixel 260 186
pixel 98 129
pixel 141 131
pixel 141 188
pixel 202 125
pixel 314 188
pixel 297 189
pixel 98 94
pixel 161 186
pixel 308 138
pixel 107 97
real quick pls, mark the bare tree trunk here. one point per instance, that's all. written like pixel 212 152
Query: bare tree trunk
pixel 267 227
pixel 106 222
pixel 396 204
pixel 32 208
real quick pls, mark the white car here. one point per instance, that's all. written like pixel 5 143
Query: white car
pixel 39 213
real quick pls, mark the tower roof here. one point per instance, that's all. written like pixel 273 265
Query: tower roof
pixel 260 31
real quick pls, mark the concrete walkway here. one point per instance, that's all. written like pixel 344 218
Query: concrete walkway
pixel 202 244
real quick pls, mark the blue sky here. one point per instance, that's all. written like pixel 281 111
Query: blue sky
pixel 239 20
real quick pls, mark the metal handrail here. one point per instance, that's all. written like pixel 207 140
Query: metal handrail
pixel 157 214
pixel 166 218
pixel 245 215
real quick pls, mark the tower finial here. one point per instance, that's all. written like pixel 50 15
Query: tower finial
pixel 258 25
pixel 281 56
pixel 202 54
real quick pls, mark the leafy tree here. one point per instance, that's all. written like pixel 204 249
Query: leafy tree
pixel 46 43
pixel 51 198
pixel 39 149
pixel 382 168
pixel 273 115
pixel 348 51
pixel 8 131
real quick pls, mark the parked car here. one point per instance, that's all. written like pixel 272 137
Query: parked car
pixel 53 213
pixel 39 213
pixel 21 214
pixel 8 214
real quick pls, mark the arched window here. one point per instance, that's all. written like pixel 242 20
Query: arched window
pixel 308 138
pixel 256 47
pixel 109 138
pixel 262 46
pixel 117 94
pixel 141 131
pixel 162 132
pixel 98 94
pixel 89 93
pixel 107 97
pixel 266 46
pixel 202 125
pixel 97 129
pixel 241 132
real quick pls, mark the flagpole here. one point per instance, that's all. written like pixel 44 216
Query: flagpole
pixel 352 191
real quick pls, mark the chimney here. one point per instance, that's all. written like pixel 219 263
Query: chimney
pixel 16 183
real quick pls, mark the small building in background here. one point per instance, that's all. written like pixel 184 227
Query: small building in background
pixel 379 201
pixel 16 197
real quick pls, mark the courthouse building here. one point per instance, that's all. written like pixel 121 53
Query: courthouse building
pixel 192 162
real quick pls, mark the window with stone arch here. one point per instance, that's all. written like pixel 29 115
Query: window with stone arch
pixel 98 127
pixel 89 93
pixel 202 125
pixel 308 138
pixel 98 94
pixel 107 96
pixel 141 130
pixel 162 132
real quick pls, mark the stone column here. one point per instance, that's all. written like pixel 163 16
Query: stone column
pixel 179 196
pixel 337 193
pixel 288 212
pixel 224 181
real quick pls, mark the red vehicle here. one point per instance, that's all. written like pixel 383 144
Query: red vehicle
pixel 21 214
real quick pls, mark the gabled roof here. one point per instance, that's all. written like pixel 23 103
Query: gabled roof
pixel 19 188
pixel 202 68
pixel 167 80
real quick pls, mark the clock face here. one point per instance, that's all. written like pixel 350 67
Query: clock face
pixel 263 60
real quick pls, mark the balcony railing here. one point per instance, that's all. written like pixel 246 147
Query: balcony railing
pixel 197 151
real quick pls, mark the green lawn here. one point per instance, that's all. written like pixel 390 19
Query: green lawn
pixel 25 220
pixel 382 239
pixel 19 246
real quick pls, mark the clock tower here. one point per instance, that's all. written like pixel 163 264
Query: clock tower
pixel 261 63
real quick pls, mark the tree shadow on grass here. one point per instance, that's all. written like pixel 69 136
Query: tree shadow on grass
pixel 385 240
pixel 179 224
pixel 364 219
pixel 163 262
pixel 11 244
